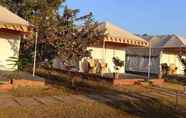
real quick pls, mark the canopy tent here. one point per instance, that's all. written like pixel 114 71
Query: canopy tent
pixel 170 41
pixel 12 28
pixel 164 49
pixel 113 45
pixel 10 21
pixel 176 44
pixel 142 51
pixel 115 34
pixel 158 44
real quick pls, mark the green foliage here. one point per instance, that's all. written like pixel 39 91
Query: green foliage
pixel 43 15
pixel 66 35
pixel 183 61
pixel 18 62
pixel 165 69
pixel 77 34
pixel 118 63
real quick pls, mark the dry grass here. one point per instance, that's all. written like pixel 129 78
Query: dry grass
pixel 79 110
pixel 39 92
pixel 173 86
pixel 147 104
pixel 138 102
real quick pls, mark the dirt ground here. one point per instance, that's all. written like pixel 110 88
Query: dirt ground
pixel 90 99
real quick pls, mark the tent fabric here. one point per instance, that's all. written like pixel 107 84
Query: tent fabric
pixel 165 49
pixel 158 42
pixel 167 41
pixel 19 28
pixel 140 64
pixel 175 42
pixel 11 21
pixel 117 35
pixel 142 52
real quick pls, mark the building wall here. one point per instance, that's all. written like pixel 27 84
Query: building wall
pixel 140 64
pixel 107 55
pixel 9 47
pixel 172 59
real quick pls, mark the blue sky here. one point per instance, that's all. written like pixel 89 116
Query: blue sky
pixel 138 16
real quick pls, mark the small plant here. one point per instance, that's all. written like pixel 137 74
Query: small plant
pixel 183 61
pixel 18 64
pixel 165 69
pixel 117 64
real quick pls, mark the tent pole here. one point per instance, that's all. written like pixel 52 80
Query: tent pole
pixel 149 64
pixel 35 54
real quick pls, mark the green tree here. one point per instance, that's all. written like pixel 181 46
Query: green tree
pixel 65 35
pixel 43 15
pixel 76 34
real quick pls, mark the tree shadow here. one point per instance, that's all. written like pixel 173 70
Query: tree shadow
pixel 137 104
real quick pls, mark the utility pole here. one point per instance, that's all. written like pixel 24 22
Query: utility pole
pixel 35 54
pixel 36 41
pixel 149 64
